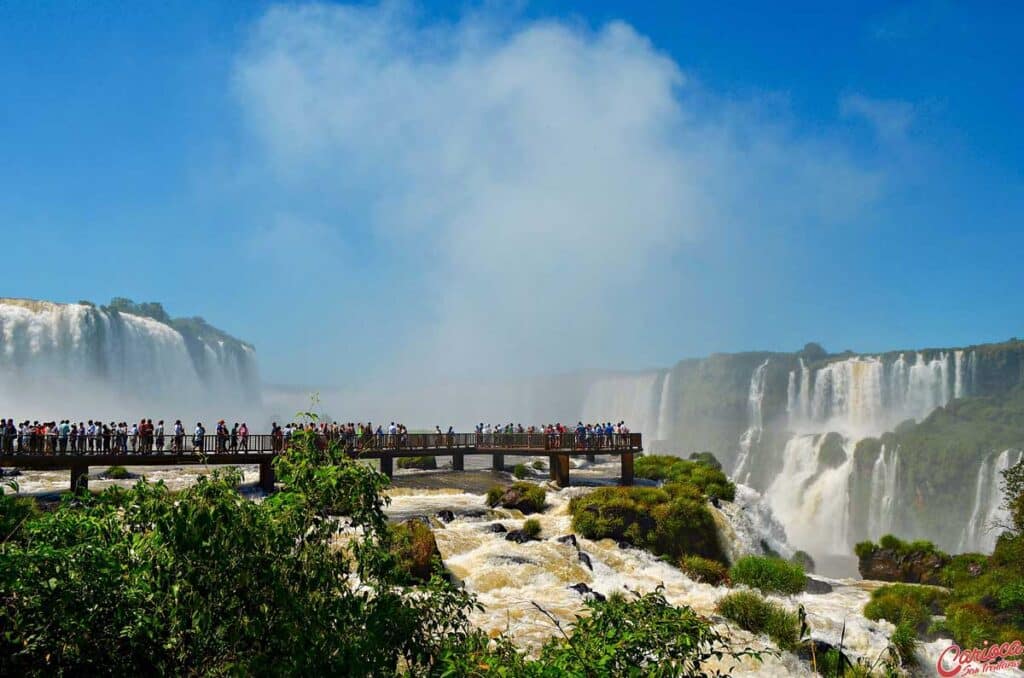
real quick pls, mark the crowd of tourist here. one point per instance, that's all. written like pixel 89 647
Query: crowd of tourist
pixel 145 437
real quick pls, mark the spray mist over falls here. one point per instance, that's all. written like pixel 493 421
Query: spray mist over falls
pixel 80 361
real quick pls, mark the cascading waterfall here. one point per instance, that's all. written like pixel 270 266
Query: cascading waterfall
pixel 987 513
pixel 665 409
pixel 865 395
pixel 97 360
pixel 884 485
pixel 634 399
pixel 811 498
pixel 752 436
pixel 856 397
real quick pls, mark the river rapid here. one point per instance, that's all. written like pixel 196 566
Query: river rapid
pixel 511 580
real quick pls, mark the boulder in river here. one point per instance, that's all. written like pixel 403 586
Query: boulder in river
pixel 587 592
pixel 497 528
pixel 445 516
pixel 567 539
pixel 519 536
pixel 813 585
pixel 585 559
pixel 895 560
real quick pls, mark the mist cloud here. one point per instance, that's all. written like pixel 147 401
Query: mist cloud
pixel 543 176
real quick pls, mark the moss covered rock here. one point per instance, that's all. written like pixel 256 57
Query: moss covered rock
pixel 415 548
pixel 672 521
pixel 424 463
pixel 521 496
pixel 917 562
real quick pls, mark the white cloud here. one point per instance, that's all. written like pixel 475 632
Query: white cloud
pixel 548 172
pixel 891 118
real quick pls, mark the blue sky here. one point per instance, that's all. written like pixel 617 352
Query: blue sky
pixel 532 187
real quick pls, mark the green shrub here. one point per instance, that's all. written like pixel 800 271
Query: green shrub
pixel 531 527
pixel 424 463
pixel 972 624
pixel 520 471
pixel 898 608
pixel 117 473
pixel 769 574
pixel 904 641
pixel 704 570
pixel 707 459
pixel 538 465
pixel 804 560
pixel 650 518
pixel 522 496
pixel 15 511
pixel 752 612
pixel 710 481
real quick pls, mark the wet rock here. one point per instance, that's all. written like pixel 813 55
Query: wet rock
pixel 567 539
pixel 587 592
pixel 496 528
pixel 445 516
pixel 912 566
pixel 585 559
pixel 813 648
pixel 625 545
pixel 715 502
pixel 519 536
pixel 10 472
pixel 817 586
pixel 475 513
pixel 515 560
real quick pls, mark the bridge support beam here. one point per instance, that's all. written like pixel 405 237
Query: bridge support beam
pixel 562 470
pixel 498 462
pixel 458 461
pixel 267 478
pixel 79 477
pixel 387 466
pixel 627 469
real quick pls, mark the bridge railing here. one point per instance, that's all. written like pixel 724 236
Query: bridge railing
pixel 54 444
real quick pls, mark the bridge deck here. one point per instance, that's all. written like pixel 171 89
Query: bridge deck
pixel 51 452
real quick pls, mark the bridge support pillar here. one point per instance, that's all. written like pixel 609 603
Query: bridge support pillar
pixel 562 470
pixel 267 478
pixel 553 466
pixel 79 477
pixel 627 469
pixel 498 462
pixel 458 461
pixel 387 466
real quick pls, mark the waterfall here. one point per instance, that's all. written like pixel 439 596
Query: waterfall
pixel 884 485
pixel 866 396
pixel 755 420
pixel 811 498
pixel 980 532
pixel 92 361
pixel 630 398
pixel 664 430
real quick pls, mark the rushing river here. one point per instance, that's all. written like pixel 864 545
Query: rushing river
pixel 511 580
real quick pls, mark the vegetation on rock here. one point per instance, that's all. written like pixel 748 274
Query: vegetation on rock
pixel 531 527
pixel 117 473
pixel 414 547
pixel 892 559
pixel 771 575
pixel 522 496
pixel 672 520
pixel 753 613
pixel 423 463
pixel 704 476
pixel 704 570
pixel 520 471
